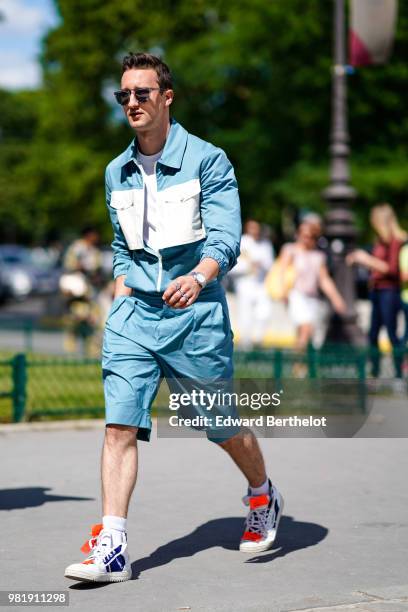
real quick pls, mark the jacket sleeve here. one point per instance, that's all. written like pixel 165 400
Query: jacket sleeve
pixel 121 253
pixel 220 210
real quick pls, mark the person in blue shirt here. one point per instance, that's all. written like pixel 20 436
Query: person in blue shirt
pixel 174 206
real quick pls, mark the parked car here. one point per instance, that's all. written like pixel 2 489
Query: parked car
pixel 20 276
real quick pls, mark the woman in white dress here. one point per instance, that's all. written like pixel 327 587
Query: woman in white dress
pixel 311 275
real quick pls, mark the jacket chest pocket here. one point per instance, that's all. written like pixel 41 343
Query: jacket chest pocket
pixel 180 208
pixel 129 206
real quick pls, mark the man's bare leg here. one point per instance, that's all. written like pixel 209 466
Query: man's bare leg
pixel 245 452
pixel 119 469
pixel 265 506
pixel 109 558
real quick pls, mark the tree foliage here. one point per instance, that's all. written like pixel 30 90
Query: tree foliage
pixel 252 76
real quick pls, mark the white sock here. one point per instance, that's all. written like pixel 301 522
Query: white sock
pixel 116 525
pixel 262 490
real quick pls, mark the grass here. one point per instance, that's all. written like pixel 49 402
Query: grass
pixel 54 385
pixel 6 385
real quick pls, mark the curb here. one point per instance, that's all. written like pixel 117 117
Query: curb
pixel 73 424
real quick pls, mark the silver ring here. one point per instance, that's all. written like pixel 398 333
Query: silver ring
pixel 180 291
pixel 178 286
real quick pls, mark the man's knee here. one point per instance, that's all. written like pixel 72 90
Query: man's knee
pixel 226 443
pixel 244 439
pixel 120 435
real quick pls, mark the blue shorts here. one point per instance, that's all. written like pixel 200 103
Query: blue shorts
pixel 146 340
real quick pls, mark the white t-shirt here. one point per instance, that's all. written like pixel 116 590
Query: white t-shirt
pixel 255 260
pixel 150 219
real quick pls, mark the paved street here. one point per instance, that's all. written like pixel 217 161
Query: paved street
pixel 342 545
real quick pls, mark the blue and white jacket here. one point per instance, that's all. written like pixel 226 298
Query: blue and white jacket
pixel 199 212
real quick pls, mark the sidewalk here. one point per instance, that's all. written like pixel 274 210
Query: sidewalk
pixel 342 544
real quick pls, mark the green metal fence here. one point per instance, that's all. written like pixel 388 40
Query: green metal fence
pixel 331 362
pixel 34 387
pixel 12 388
pixel 64 387
pixel 26 328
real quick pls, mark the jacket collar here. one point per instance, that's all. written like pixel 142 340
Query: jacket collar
pixel 173 151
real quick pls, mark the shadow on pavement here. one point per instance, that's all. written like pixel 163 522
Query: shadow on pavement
pixel 30 497
pixel 292 535
pixel 226 533
pixel 89 586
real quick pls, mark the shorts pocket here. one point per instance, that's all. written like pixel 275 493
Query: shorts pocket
pixel 212 328
pixel 118 312
pixel 116 304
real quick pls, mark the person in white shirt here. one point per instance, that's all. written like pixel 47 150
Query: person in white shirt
pixel 254 305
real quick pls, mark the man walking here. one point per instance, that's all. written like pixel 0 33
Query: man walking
pixel 174 206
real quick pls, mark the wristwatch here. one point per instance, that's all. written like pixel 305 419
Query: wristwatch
pixel 199 279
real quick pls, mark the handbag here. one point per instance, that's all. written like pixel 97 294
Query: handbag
pixel 280 280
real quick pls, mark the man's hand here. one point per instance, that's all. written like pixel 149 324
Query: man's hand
pixel 182 292
pixel 120 287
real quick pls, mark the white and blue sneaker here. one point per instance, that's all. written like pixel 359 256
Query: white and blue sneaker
pixel 262 522
pixel 105 563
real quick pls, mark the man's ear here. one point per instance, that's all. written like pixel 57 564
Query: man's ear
pixel 169 96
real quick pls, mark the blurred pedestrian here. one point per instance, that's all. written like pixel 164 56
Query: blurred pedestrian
pixel 384 281
pixel 254 305
pixel 80 284
pixel 310 276
pixel 84 255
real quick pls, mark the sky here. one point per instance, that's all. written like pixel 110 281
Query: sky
pixel 23 25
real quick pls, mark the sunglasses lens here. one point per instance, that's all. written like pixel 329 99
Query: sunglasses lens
pixel 122 97
pixel 142 94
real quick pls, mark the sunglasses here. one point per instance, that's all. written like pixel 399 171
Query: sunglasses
pixel 142 94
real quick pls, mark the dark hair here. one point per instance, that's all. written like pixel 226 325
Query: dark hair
pixel 88 229
pixel 146 60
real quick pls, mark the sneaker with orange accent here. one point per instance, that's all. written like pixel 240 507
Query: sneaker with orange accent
pixel 262 521
pixel 105 563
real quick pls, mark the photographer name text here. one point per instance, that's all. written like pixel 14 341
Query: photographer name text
pixel 259 421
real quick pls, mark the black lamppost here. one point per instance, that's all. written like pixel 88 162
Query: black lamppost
pixel 339 195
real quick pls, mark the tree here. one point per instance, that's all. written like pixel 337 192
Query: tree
pixel 252 76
